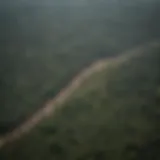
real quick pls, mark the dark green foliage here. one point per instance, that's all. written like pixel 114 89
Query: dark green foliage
pixel 112 117
pixel 149 151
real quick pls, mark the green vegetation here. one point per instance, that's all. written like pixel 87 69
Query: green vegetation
pixel 114 115
pixel 44 45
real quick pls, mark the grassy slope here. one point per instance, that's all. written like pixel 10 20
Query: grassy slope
pixel 114 116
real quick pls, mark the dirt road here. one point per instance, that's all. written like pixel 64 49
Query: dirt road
pixel 66 92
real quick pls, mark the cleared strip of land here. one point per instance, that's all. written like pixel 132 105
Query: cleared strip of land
pixel 50 106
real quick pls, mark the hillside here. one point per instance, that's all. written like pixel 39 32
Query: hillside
pixel 43 46
pixel 114 115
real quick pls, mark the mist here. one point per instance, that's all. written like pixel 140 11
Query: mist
pixel 43 44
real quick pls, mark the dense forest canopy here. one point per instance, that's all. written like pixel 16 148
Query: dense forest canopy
pixel 113 115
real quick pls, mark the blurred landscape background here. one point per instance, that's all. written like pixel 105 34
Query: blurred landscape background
pixel 44 44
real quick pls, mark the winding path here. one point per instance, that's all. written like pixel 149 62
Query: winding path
pixel 66 92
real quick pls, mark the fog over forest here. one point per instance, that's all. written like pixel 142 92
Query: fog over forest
pixel 44 43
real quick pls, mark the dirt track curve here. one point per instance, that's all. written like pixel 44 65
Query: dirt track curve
pixel 63 95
